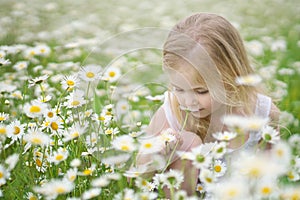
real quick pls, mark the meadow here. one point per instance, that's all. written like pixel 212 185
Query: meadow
pixel 80 81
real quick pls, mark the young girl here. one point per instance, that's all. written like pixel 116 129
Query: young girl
pixel 203 56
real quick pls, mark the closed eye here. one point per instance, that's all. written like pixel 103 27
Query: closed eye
pixel 202 91
pixel 177 89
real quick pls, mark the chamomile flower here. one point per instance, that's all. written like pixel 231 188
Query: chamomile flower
pixel 231 189
pixel 36 137
pixel 172 178
pixel 225 136
pixel 219 168
pixel 58 156
pixel 207 177
pixel 91 193
pixel 38 80
pixel 124 143
pixel 75 99
pixel 112 74
pixel 55 187
pixel 73 132
pixel 135 172
pixel 42 50
pixel 3 130
pixel 242 124
pixel 266 188
pixel 122 107
pixel 15 130
pixel 111 131
pixel 90 73
pixel 150 145
pixel 71 174
pixel 75 163
pixel 200 188
pixel 4 175
pixel 201 157
pixel 100 182
pixel 281 153
pixel 249 80
pixel 35 109
pixel 168 135
pixel 91 139
pixel 21 65
pixel 53 124
pixel 293 175
pixel 12 160
pixel 270 135
pixel 142 183
pixel 70 82
pixel 4 116
pixel 31 196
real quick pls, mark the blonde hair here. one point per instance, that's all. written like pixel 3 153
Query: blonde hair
pixel 222 43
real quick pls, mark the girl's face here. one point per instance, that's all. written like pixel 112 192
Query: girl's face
pixel 191 94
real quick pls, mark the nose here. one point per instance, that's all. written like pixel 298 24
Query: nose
pixel 191 100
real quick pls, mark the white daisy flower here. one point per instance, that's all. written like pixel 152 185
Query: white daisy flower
pixel 124 143
pixel 36 137
pixel 75 131
pixel 201 157
pixel 281 153
pixel 71 174
pixel 12 160
pixel 58 156
pixel 43 50
pixel 55 187
pixel 255 47
pixel 21 65
pixel 293 175
pixel 15 130
pixel 90 73
pixel 207 177
pixel 122 107
pixel 116 160
pixel 134 172
pixel 172 178
pixel 4 116
pixel 146 195
pixel 150 145
pixel 91 193
pixel 100 182
pixel 75 99
pixel 242 124
pixel 35 109
pixel 70 82
pixel 266 188
pixel 231 189
pixel 219 168
pixel 4 174
pixel 75 163
pixel 250 80
pixel 112 74
pixel 38 80
pixel 270 135
pixel 225 136
pixel 3 130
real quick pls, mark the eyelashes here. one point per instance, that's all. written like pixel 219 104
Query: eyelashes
pixel 197 91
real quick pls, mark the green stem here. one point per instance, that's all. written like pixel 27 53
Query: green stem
pixel 176 144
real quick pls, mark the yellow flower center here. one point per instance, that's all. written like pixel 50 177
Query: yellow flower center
pixel 59 157
pixel 279 152
pixel 112 74
pixel 70 83
pixel 90 74
pixel 255 172
pixel 266 190
pixel 148 145
pixel 54 126
pixel 101 118
pixel 218 168
pixel 75 134
pixel 87 172
pixel 2 131
pixel 33 198
pixel 17 130
pixel 75 103
pixel 50 114
pixel 108 132
pixel 35 109
pixel 38 162
pixel 232 193
pixel 2 118
pixel 60 190
pixel 36 140
pixel 125 148
pixel 1 174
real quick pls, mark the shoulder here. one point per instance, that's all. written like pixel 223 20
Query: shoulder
pixel 158 122
pixel 274 114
